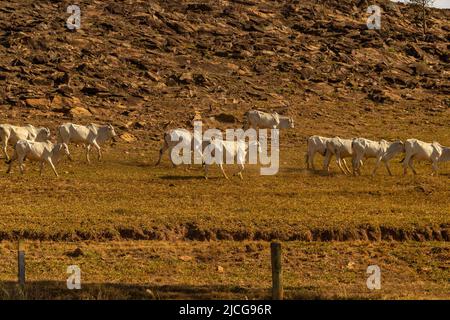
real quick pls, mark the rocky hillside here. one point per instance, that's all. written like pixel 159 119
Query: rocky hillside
pixel 146 65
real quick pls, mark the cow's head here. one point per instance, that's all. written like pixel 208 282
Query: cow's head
pixel 43 134
pixel 110 130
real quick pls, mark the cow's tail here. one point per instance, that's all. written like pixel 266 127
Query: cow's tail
pixel 2 132
pixel 13 157
pixel 307 153
pixel 58 135
pixel 353 143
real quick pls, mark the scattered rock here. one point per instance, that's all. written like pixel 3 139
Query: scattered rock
pixel 140 125
pixel 420 69
pixel 76 253
pixel 37 103
pixel 186 78
pixel 153 76
pixel 128 137
pixel 79 112
pixel 186 258
pixel 227 118
pixel 415 51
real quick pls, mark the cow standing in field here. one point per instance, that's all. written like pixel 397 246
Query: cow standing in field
pixel 90 135
pixel 419 150
pixel 341 149
pixel 262 120
pixel 12 134
pixel 44 152
pixel 380 150
pixel 315 144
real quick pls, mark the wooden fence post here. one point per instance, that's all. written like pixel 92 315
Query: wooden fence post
pixel 277 275
pixel 21 264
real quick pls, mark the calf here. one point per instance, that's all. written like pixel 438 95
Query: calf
pixel 44 152
pixel 90 135
pixel 12 134
pixel 419 150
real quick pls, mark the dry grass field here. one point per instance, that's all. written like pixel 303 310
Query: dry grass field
pixel 227 270
pixel 332 228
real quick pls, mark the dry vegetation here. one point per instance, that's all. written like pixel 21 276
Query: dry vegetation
pixel 228 270
pixel 148 65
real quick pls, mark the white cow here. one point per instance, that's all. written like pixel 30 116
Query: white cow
pixel 315 144
pixel 262 120
pixel 12 134
pixel 44 152
pixel 380 150
pixel 341 149
pixel 230 149
pixel 419 150
pixel 90 135
pixel 175 137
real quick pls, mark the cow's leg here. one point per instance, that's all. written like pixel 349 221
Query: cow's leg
pixel 53 167
pixel 99 151
pixel 241 168
pixel 326 161
pixel 377 164
pixel 411 165
pixel 41 168
pixel 161 152
pixel 88 148
pixel 311 161
pixel 386 163
pixel 356 165
pixel 206 170
pixel 9 168
pixel 5 148
pixel 339 163
pixel 10 161
pixel 21 167
pixel 406 161
pixel 435 169
pixel 307 160
pixel 346 167
pixel 223 171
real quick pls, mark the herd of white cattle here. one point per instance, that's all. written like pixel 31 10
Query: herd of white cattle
pixel 34 143
pixel 359 149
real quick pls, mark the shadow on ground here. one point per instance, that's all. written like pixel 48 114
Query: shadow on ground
pixel 49 290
